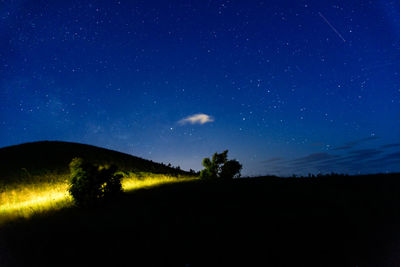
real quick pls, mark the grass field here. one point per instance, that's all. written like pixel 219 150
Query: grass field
pixel 178 220
pixel 39 194
pixel 327 221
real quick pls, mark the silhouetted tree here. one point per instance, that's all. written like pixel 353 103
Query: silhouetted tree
pixel 91 184
pixel 220 167
pixel 230 169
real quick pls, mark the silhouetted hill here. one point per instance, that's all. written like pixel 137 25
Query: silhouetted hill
pixel 37 158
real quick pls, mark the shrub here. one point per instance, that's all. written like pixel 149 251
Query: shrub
pixel 91 184
pixel 220 167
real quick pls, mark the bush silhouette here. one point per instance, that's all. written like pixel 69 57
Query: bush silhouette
pixel 92 184
pixel 220 167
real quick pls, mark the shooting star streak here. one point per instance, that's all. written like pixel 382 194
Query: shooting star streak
pixel 333 28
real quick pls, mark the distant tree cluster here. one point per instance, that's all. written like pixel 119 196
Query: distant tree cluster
pixel 91 184
pixel 173 170
pixel 219 167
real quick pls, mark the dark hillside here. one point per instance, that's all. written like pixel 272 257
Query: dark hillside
pixel 329 222
pixel 52 156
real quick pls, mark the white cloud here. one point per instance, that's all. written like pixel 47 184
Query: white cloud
pixel 197 119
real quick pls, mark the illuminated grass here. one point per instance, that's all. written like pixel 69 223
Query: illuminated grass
pixel 36 195
pixel 43 194
pixel 147 180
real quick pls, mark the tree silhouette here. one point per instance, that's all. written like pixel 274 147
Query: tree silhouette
pixel 91 184
pixel 219 167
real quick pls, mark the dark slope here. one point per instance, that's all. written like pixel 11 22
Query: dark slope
pixel 332 222
pixel 37 158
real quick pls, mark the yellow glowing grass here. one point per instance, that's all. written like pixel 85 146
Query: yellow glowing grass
pixel 23 201
pixel 145 180
pixel 26 200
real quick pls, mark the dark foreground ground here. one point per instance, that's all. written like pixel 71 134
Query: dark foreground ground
pixel 337 221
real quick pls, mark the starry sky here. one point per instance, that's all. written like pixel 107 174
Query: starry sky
pixel 289 87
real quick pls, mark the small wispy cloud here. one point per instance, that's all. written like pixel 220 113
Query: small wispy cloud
pixel 352 144
pixel 196 119
pixel 390 145
pixel 312 158
pixel 271 160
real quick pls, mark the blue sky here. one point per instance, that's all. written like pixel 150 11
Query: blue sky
pixel 288 86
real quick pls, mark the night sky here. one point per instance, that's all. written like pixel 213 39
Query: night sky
pixel 289 87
